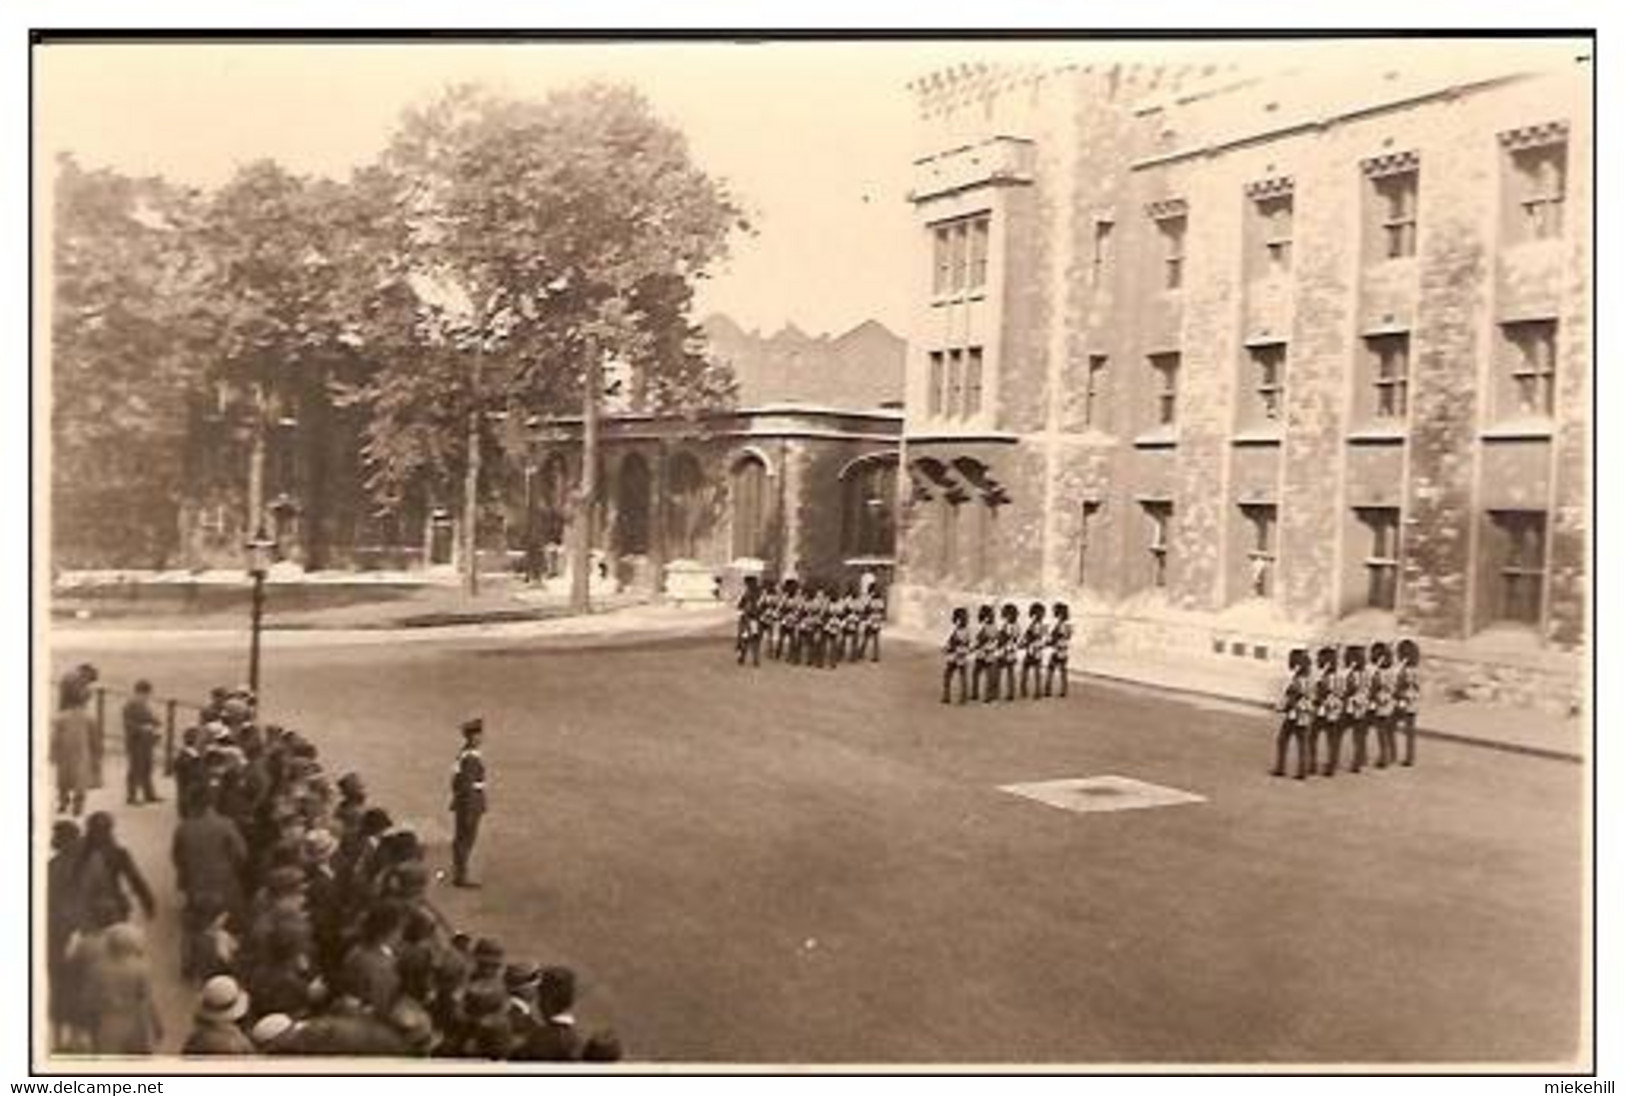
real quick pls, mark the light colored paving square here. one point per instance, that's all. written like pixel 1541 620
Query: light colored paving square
pixel 1102 793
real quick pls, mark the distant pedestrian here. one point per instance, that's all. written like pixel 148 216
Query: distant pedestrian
pixel 468 800
pixel 72 733
pixel 1408 696
pixel 75 688
pixel 1057 644
pixel 63 917
pixel 956 653
pixel 1297 708
pixel 140 740
pixel 1032 651
pixel 211 868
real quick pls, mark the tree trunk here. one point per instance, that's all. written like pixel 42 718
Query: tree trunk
pixel 471 490
pixel 256 466
pixel 581 549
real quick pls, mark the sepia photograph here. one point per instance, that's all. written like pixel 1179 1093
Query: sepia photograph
pixel 679 552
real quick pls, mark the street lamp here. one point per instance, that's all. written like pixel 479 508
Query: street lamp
pixel 259 549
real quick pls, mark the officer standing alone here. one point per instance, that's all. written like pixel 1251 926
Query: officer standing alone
pixel 467 801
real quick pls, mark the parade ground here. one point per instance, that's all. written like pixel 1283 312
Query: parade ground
pixel 794 865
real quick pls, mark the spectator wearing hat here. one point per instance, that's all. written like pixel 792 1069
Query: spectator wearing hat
pixel 604 1046
pixel 274 1033
pixel 216 707
pixel 120 1014
pixel 140 738
pixel 446 1005
pixel 370 973
pixel 555 1038
pixel 468 800
pixel 352 801
pixel 221 1006
pixel 486 1029
pixel 522 980
pixel 210 856
pixel 76 685
pixel 282 978
pixel 73 733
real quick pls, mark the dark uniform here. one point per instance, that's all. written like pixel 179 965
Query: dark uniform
pixel 1297 708
pixel 1032 651
pixel 1059 640
pixel 1356 707
pixel 140 736
pixel 1009 642
pixel 467 800
pixel 851 625
pixel 874 618
pixel 1408 696
pixel 812 628
pixel 1328 687
pixel 956 652
pixel 748 640
pixel 795 603
pixel 984 661
pixel 1383 694
pixel 772 606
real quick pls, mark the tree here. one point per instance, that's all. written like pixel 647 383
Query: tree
pixel 540 238
pixel 123 360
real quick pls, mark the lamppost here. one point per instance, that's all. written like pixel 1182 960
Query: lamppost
pixel 259 548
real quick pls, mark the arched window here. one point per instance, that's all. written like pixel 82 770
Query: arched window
pixel 632 507
pixel 553 499
pixel 685 505
pixel 749 502
pixel 869 501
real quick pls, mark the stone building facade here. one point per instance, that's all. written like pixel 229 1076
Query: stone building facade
pixel 1239 360
pixel 787 489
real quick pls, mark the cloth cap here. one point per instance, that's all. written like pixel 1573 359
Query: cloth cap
pixel 473 726
pixel 522 975
pixel 270 1027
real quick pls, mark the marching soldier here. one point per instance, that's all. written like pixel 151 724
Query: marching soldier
pixel 467 800
pixel 874 618
pixel 956 653
pixel 1328 706
pixel 748 638
pixel 790 621
pixel 1408 696
pixel 1383 683
pixel 985 656
pixel 852 624
pixel 1032 650
pixel 812 627
pixel 835 629
pixel 1009 642
pixel 1056 644
pixel 1356 703
pixel 772 609
pixel 1297 708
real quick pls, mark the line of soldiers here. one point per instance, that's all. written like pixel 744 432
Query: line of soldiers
pixel 808 625
pixel 1001 644
pixel 1354 691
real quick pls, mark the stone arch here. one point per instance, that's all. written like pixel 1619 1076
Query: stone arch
pixel 633 492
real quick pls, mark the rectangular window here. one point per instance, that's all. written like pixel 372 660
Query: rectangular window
pixel 1531 349
pixel 1086 522
pixel 978 253
pixel 1389 361
pixel 973 381
pixel 1172 230
pixel 1396 212
pixel 956 383
pixel 1260 518
pixel 1274 223
pixel 1103 251
pixel 1268 382
pixel 1166 367
pixel 1520 546
pixel 1159 518
pixel 1094 392
pixel 940 267
pixel 937 380
pixel 1382 560
pixel 1539 176
pixel 957 258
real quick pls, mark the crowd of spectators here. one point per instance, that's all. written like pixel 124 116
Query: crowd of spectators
pixel 306 922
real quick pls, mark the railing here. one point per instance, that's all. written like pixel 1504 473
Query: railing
pixel 171 708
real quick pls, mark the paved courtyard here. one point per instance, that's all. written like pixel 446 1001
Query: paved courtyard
pixel 795 865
